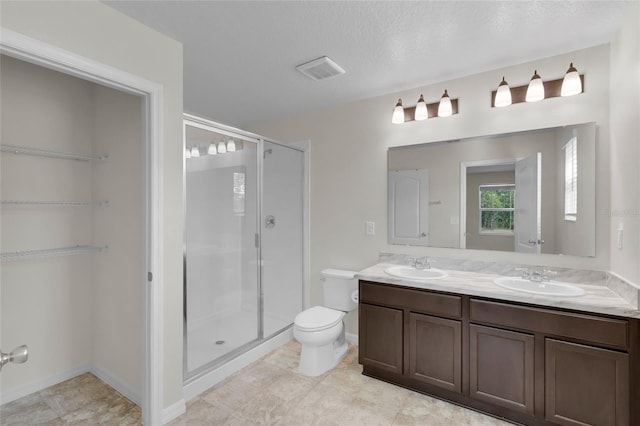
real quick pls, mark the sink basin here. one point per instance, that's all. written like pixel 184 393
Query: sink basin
pixel 552 288
pixel 412 273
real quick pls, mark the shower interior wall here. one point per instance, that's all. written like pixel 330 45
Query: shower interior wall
pixel 82 312
pixel 221 251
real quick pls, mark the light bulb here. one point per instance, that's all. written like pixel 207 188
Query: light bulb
pixel 212 149
pixel 421 110
pixel 231 146
pixel 195 152
pixel 187 153
pixel 535 91
pixel 571 84
pixel 503 95
pixel 444 108
pixel 398 113
pixel 222 148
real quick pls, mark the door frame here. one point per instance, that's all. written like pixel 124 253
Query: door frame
pixel 464 165
pixel 37 52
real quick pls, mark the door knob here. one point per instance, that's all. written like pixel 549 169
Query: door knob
pixel 18 356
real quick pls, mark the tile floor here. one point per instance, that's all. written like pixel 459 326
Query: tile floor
pixel 267 392
pixel 270 391
pixel 82 400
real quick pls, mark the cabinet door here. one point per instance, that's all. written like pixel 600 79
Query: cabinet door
pixel 435 351
pixel 381 335
pixel 501 369
pixel 585 385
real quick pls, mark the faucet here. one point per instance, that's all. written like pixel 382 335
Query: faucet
pixel 422 263
pixel 536 275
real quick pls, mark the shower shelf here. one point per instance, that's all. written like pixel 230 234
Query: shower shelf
pixel 62 251
pixel 104 203
pixel 17 149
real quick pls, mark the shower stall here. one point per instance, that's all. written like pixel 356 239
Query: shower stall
pixel 243 247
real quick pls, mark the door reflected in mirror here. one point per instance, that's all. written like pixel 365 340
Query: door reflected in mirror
pixel 530 192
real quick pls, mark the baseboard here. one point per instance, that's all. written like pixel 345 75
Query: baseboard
pixel 117 384
pixel 351 338
pixel 202 383
pixel 173 411
pixel 42 383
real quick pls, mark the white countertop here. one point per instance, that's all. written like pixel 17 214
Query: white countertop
pixel 598 298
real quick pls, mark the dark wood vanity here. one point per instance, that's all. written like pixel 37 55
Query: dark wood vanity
pixel 530 364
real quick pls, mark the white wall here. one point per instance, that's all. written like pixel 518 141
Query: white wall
pixel 349 160
pixel 625 147
pixel 47 302
pixel 118 273
pixel 96 31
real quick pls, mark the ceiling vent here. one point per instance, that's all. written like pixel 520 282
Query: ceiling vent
pixel 320 69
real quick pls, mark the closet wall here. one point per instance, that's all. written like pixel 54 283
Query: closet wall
pixel 78 312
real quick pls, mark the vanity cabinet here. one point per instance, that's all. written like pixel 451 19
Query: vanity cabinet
pixel 501 367
pixel 533 365
pixel 412 333
pixel 435 351
pixel 585 384
pixel 381 337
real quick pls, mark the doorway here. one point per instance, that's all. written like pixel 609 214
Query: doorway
pixel 149 236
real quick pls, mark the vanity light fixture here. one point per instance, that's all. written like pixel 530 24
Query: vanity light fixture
pixel 503 94
pixel 212 150
pixel 571 83
pixel 222 148
pixel 398 113
pixel 444 107
pixel 421 110
pixel 535 90
pixel 195 152
pixel 231 145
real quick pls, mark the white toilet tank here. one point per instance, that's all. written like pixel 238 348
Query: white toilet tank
pixel 338 285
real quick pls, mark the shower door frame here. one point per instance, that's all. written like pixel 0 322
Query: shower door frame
pixel 303 148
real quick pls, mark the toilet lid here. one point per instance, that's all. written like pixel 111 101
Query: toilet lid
pixel 318 318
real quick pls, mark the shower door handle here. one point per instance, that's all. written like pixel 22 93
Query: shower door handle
pixel 269 222
pixel 17 356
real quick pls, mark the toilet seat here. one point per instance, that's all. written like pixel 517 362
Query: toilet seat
pixel 318 318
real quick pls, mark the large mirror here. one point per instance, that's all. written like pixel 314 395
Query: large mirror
pixel 531 192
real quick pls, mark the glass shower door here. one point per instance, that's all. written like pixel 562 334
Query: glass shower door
pixel 282 236
pixel 221 257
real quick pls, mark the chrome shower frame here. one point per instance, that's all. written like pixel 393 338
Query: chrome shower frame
pixel 259 141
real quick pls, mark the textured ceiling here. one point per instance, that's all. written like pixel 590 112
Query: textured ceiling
pixel 240 56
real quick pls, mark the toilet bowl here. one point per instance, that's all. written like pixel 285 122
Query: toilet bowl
pixel 320 329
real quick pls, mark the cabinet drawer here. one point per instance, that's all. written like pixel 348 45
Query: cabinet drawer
pixel 598 330
pixel 415 300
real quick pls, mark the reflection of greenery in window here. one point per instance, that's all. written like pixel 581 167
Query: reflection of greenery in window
pixel 496 209
pixel 238 193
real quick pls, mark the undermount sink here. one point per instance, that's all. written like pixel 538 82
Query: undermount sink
pixel 550 288
pixel 411 273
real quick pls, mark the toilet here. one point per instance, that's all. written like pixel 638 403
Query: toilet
pixel 320 329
